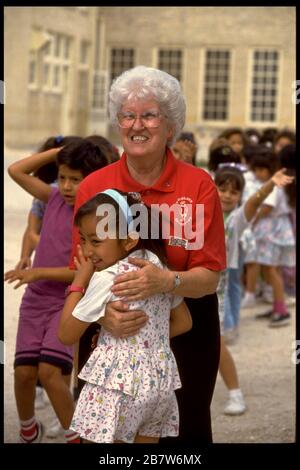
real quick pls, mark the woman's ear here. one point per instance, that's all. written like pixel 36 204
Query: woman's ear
pixel 131 241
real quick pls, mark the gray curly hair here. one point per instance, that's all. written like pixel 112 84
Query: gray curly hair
pixel 146 82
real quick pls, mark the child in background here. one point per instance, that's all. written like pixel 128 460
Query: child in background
pixel 129 392
pixel 185 148
pixel 30 239
pixel 283 138
pixel 230 183
pixel 221 152
pixel 236 139
pixel 263 165
pixel 287 159
pixel 110 151
pixel 39 353
pixel 275 242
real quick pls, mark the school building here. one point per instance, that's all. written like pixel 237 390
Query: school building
pixel 236 65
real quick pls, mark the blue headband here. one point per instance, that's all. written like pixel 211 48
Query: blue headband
pixel 122 203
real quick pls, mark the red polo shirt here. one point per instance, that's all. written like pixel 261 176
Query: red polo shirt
pixel 179 182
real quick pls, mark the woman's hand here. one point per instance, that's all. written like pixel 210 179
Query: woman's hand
pixel 84 269
pixel 281 179
pixel 122 322
pixel 140 284
pixel 24 276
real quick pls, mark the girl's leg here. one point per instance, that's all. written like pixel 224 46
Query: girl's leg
pixel 58 391
pixel 227 367
pixel 236 404
pixel 252 272
pixel 25 382
pixel 276 282
pixel 251 277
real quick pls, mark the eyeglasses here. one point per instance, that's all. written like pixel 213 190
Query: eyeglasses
pixel 150 119
pixel 238 166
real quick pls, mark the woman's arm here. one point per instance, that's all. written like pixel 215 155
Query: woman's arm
pixel 180 320
pixel 150 280
pixel 20 173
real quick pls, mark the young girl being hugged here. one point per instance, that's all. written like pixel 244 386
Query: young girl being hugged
pixel 230 183
pixel 129 392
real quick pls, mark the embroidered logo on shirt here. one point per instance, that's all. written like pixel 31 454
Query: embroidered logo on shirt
pixel 185 215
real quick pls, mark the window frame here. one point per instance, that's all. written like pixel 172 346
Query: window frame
pixel 249 109
pixel 203 70
pixel 170 49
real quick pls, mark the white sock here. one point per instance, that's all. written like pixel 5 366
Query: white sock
pixel 249 295
pixel 236 392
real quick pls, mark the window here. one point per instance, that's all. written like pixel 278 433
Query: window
pixel 263 103
pixel 55 62
pixel 216 85
pixel 120 60
pixel 100 91
pixel 170 60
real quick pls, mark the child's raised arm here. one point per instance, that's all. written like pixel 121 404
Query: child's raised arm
pixel 180 320
pixel 20 173
pixel 252 204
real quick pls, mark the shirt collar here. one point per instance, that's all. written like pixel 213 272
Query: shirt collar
pixel 166 182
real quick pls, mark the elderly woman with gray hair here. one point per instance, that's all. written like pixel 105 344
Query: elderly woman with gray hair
pixel 148 108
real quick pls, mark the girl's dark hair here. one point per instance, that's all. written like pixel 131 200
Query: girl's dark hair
pixel 252 136
pixel 287 159
pixel 227 133
pixel 230 175
pixel 146 242
pixel 264 158
pixel 83 156
pixel 48 172
pixel 288 134
pixel 268 137
pixel 222 154
pixel 110 151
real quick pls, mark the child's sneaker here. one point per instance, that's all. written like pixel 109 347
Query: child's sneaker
pixel 264 315
pixel 54 429
pixel 279 319
pixel 235 405
pixel 248 300
pixel 38 437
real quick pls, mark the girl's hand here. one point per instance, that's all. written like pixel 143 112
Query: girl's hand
pixel 280 179
pixel 84 269
pixel 24 276
pixel 140 284
pixel 24 263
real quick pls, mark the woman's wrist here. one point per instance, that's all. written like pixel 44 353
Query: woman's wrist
pixel 172 281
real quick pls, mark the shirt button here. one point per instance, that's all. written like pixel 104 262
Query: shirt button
pixel 147 192
pixel 167 184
